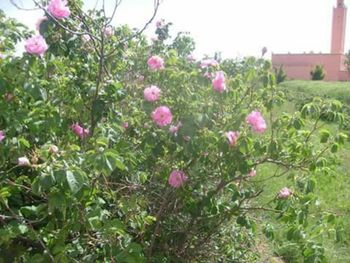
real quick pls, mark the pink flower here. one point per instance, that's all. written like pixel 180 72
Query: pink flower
pixel 53 149
pixel 36 45
pixel 39 21
pixel 256 121
pixel 125 125
pixel 232 137
pixel 252 173
pixel 209 63
pixel 151 93
pixel 108 31
pixel 155 63
pixel 175 128
pixel 79 131
pixel 162 116
pixel 284 193
pixel 23 161
pixel 177 178
pixel 2 136
pixel 219 82
pixel 59 9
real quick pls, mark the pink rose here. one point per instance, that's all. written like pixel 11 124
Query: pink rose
pixel 79 131
pixel 39 21
pixel 177 178
pixel 108 31
pixel 284 193
pixel 252 173
pixel 209 63
pixel 125 125
pixel 2 136
pixel 23 161
pixel 151 93
pixel 219 82
pixel 162 116
pixel 59 9
pixel 155 63
pixel 256 121
pixel 175 128
pixel 232 137
pixel 36 45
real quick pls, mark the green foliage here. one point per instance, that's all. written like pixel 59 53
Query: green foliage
pixel 280 75
pixel 318 73
pixel 106 197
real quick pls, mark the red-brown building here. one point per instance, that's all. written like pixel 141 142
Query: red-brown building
pixel 299 66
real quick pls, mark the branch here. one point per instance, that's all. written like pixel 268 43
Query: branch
pixel 156 6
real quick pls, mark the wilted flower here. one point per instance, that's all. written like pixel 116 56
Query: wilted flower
pixel 177 178
pixel 162 116
pixel 53 149
pixel 256 121
pixel 151 93
pixel 209 63
pixel 86 38
pixel 219 82
pixel 284 193
pixel 59 9
pixel 191 58
pixel 175 128
pixel 108 31
pixel 263 51
pixel 155 63
pixel 252 173
pixel 232 137
pixel 36 45
pixel 23 161
pixel 160 23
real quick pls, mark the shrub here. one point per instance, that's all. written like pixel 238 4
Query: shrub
pixel 280 74
pixel 318 73
pixel 96 168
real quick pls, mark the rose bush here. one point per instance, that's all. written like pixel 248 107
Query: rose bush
pixel 95 166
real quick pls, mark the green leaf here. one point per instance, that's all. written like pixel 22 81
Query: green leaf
pixel 74 180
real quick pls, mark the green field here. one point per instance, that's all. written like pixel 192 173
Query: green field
pixel 333 190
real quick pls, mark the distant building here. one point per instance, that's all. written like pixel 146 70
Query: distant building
pixel 299 66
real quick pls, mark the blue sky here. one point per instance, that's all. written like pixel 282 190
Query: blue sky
pixel 234 27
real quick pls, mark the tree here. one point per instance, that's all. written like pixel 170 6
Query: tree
pixel 318 73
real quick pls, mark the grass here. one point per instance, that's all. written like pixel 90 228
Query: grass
pixel 333 190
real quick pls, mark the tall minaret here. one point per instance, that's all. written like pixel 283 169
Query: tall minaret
pixel 338 28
